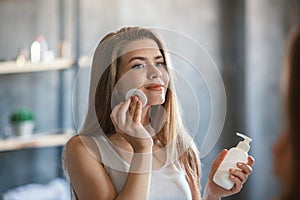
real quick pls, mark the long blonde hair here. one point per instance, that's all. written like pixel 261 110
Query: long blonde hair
pixel 105 69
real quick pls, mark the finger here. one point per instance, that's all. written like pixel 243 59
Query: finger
pixel 239 174
pixel 138 112
pixel 247 169
pixel 216 163
pixel 133 106
pixel 237 184
pixel 251 161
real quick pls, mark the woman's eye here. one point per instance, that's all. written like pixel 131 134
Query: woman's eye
pixel 138 66
pixel 160 64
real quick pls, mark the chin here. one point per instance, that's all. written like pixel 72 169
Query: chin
pixel 156 102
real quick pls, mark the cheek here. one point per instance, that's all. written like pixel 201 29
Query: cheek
pixel 165 77
pixel 129 81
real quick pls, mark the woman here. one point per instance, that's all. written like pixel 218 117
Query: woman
pixel 287 148
pixel 127 151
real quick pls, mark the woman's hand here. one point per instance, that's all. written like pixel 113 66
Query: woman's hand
pixel 126 118
pixel 238 176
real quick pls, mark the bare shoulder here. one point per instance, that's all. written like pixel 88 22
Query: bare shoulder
pixel 74 142
pixel 75 152
pixel 82 145
pixel 87 175
pixel 75 145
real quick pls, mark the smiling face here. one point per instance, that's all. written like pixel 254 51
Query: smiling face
pixel 142 66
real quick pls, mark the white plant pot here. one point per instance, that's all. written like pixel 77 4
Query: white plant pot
pixel 24 129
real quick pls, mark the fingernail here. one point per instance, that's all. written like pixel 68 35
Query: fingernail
pixel 232 170
pixel 231 176
pixel 240 164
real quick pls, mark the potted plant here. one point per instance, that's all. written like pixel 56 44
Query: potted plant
pixel 23 122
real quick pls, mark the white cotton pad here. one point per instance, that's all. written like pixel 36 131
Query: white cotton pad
pixel 133 92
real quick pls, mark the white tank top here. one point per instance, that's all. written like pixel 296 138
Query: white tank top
pixel 167 183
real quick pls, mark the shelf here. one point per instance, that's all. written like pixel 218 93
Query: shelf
pixel 85 61
pixel 36 141
pixel 10 67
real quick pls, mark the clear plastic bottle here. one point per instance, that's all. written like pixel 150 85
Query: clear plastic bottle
pixel 35 52
pixel 234 155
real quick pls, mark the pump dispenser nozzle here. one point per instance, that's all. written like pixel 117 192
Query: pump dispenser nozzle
pixel 244 145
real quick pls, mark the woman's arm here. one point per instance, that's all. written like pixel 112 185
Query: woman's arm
pixel 87 174
pixel 138 179
pixel 91 182
pixel 126 118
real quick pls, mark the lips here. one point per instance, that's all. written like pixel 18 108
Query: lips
pixel 155 87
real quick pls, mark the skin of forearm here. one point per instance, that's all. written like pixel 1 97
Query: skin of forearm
pixel 138 179
pixel 208 196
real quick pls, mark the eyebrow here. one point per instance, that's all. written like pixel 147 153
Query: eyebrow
pixel 144 58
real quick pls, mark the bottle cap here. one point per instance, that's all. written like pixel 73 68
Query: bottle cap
pixel 244 145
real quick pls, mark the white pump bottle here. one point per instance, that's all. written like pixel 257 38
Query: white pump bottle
pixel 234 155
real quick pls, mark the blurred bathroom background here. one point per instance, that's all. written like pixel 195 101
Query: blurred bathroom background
pixel 245 38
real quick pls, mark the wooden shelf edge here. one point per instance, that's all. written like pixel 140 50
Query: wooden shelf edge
pixel 85 61
pixel 11 67
pixel 36 141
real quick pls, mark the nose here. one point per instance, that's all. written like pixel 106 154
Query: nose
pixel 153 71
